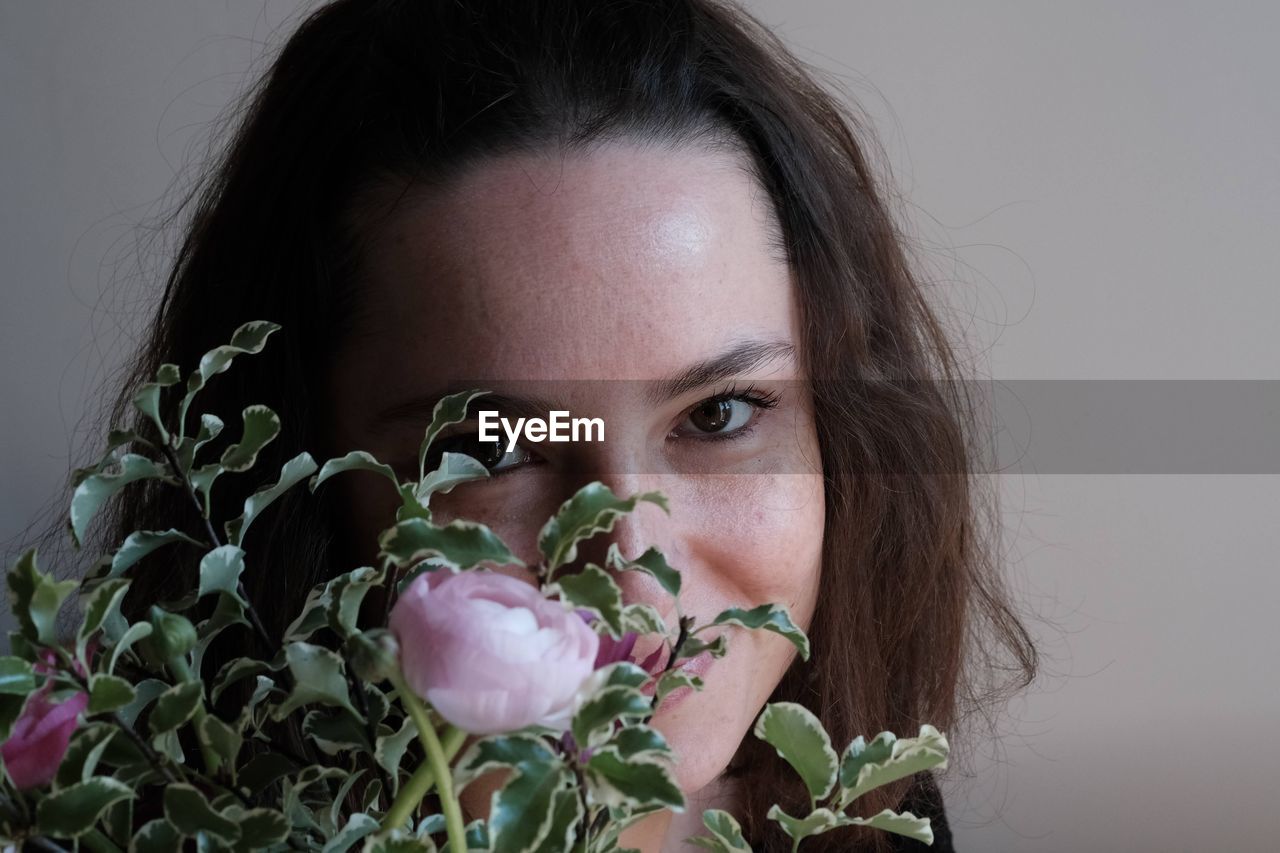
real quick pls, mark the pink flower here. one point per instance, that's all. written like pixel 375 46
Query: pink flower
pixel 40 736
pixel 490 653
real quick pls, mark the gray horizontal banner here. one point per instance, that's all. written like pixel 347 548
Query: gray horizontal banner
pixel 1133 426
pixel 1023 426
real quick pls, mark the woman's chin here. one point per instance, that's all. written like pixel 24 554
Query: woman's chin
pixel 704 731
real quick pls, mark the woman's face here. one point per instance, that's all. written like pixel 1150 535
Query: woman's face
pixel 632 284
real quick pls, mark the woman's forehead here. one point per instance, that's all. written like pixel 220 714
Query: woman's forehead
pixel 616 263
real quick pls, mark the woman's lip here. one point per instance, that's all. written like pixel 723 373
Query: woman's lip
pixel 696 666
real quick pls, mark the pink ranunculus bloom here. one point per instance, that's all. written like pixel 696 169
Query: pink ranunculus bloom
pixel 39 738
pixel 490 653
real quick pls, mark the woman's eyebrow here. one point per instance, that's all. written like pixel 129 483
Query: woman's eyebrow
pixel 740 358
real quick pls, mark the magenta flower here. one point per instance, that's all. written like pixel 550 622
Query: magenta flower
pixel 40 736
pixel 490 653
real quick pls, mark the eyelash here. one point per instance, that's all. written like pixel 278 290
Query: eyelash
pixel 751 394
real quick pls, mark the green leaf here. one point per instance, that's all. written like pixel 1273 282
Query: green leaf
pixel 800 739
pixel 460 544
pixel 391 748
pixel 264 769
pixel 347 594
pixel 318 678
pixel 103 603
pixel 109 693
pixel 232 671
pixel 865 767
pixel 202 481
pixel 169 745
pixel 141 543
pixel 522 812
pixel 224 740
pixel 636 740
pixel 261 426
pixel 314 614
pixel 220 571
pixel 623 673
pixel 410 506
pixel 72 811
pixel 651 562
pixel 190 813
pixel 397 841
pixel 770 617
pixel 82 753
pixel 593 723
pixel 334 733
pixel 175 706
pixel 96 489
pixel 156 836
pixel 636 782
pixel 906 823
pixel 501 751
pixel 356 460
pixel 673 680
pixel 593 509
pixel 450 410
pixel 566 814
pixel 249 339
pixel 228 611
pixel 726 834
pixel 453 470
pixel 798 828
pixel 145 692
pixel 16 677
pixel 147 400
pixel 293 472
pixel 694 646
pixel 259 828
pixel 115 439
pixel 357 827
pixel 36 598
pixel 210 428
pixel 594 590
pixel 643 619
pixel 137 632
pixel 90 765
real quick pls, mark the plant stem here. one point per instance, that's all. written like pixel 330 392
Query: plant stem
pixel 409 796
pixel 439 766
pixel 216 542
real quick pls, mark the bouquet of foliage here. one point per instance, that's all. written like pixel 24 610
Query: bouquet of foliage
pixel 361 724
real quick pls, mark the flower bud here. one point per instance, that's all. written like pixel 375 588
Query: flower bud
pixel 172 635
pixel 373 655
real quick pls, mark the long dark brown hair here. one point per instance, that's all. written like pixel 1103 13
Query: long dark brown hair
pixel 913 625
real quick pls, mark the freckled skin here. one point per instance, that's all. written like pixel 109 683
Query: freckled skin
pixel 626 263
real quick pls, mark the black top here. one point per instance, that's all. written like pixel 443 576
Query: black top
pixel 925 800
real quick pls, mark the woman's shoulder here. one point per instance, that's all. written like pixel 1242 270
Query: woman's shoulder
pixel 924 799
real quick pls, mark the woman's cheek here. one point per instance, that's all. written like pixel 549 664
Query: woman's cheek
pixel 762 537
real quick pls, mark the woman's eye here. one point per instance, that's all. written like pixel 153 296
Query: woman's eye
pixel 491 454
pixel 718 415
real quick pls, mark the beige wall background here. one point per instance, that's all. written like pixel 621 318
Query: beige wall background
pixel 1093 188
